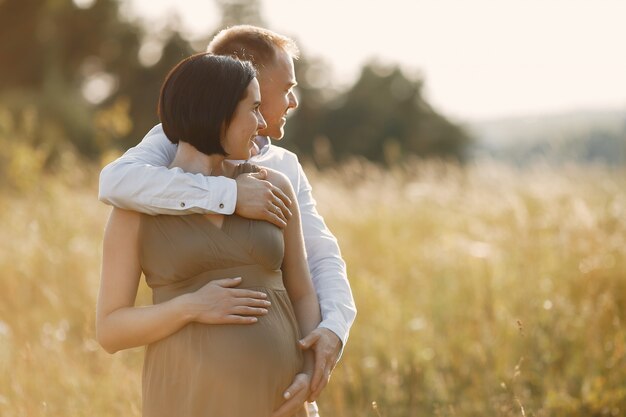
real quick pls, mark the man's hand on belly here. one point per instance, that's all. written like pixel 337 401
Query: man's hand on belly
pixel 327 346
pixel 295 395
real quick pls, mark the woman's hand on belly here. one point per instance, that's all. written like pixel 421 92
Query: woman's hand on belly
pixel 219 303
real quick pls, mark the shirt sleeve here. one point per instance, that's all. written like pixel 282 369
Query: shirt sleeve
pixel 328 269
pixel 139 180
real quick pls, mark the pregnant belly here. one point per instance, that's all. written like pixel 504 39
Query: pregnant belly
pixel 193 362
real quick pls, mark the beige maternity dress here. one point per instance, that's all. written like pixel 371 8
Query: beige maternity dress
pixel 207 370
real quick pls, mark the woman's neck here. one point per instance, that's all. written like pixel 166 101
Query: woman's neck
pixel 189 159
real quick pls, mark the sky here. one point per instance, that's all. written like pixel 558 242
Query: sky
pixel 480 59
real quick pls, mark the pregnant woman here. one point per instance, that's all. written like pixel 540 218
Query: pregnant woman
pixel 195 365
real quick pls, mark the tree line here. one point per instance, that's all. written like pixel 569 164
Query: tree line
pixel 79 75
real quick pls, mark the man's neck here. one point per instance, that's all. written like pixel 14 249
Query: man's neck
pixel 260 142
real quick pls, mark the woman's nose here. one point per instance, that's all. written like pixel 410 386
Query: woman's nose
pixel 260 121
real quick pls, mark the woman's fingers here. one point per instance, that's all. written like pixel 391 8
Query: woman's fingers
pixel 219 303
pixel 251 302
pixel 239 293
pixel 234 319
pixel 226 282
pixel 249 306
pixel 247 295
pixel 248 311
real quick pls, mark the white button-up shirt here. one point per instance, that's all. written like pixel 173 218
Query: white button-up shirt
pixel 140 181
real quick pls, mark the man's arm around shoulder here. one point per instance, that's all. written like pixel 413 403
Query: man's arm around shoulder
pixel 139 180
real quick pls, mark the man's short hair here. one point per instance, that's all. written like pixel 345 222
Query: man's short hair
pixel 199 97
pixel 252 43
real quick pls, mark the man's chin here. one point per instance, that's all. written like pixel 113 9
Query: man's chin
pixel 274 135
pixel 279 135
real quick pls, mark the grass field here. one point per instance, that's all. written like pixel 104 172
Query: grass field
pixel 483 291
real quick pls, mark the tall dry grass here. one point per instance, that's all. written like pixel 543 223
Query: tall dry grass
pixel 481 291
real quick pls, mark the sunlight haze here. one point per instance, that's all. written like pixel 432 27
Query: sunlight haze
pixel 480 59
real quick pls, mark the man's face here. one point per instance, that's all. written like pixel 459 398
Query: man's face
pixel 277 98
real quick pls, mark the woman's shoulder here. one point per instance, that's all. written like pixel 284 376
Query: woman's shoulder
pixel 123 222
pixel 122 215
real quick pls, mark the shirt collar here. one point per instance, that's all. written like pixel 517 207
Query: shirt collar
pixel 263 142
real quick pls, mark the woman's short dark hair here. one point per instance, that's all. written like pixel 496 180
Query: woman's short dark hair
pixel 199 97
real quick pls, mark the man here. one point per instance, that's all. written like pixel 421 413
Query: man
pixel 140 181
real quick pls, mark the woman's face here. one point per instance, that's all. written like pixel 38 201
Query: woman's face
pixel 246 122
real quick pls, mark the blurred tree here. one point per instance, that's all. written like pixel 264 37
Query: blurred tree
pixel 76 72
pixel 50 51
pixel 76 65
pixel 383 117
pixel 140 86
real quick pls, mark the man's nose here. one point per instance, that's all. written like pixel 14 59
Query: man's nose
pixel 293 100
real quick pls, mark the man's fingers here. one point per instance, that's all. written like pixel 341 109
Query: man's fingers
pixel 259 199
pixel 318 372
pixel 280 194
pixel 318 390
pixel 295 400
pixel 273 209
pixel 280 205
pixel 296 394
pixel 309 340
pixel 294 388
pixel 261 175
pixel 275 194
pixel 274 219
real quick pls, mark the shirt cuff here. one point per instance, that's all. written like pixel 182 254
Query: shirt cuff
pixel 222 199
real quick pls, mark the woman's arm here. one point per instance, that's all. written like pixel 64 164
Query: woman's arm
pixel 295 269
pixel 121 325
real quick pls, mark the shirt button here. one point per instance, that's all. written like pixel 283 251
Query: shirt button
pixel 221 205
pixel 182 204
